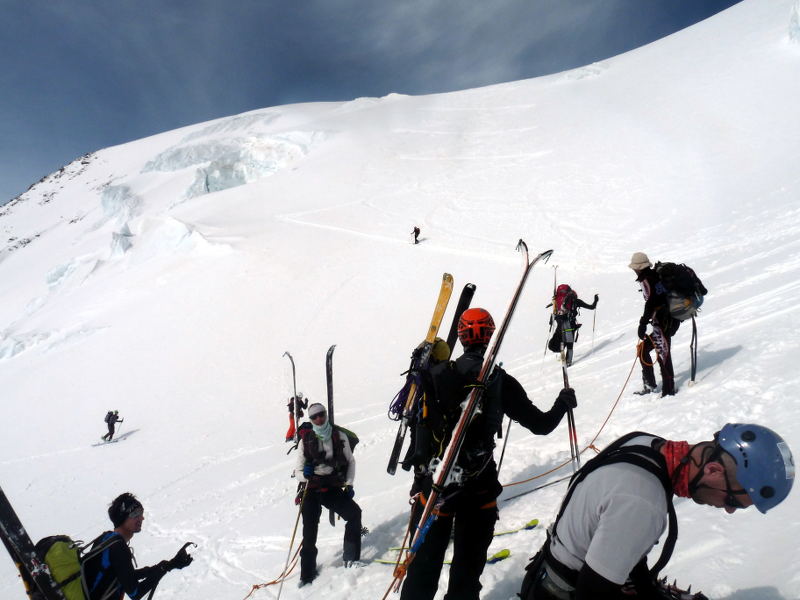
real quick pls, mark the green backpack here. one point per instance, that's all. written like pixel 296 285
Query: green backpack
pixel 65 558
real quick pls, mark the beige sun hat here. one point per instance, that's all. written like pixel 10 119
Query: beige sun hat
pixel 639 261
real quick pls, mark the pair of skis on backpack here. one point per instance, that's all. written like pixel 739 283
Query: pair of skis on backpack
pixel 404 405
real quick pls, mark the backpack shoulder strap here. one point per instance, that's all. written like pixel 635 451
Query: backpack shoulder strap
pixel 644 457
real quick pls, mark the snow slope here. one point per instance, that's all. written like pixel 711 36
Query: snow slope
pixel 166 277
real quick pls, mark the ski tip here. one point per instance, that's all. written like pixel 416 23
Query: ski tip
pixel 498 556
pixel 532 523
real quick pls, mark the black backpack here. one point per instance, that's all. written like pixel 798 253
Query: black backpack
pixel 109 416
pixel 683 288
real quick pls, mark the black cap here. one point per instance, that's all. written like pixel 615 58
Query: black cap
pixel 122 508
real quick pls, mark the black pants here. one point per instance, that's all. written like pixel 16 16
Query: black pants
pixel 474 527
pixel 565 331
pixel 343 506
pixel 662 343
pixel 110 433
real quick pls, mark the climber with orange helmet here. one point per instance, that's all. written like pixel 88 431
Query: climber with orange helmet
pixel 470 498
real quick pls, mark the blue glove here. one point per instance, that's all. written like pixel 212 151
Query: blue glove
pixel 308 470
pixel 349 491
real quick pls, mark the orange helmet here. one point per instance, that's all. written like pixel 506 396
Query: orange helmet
pixel 475 327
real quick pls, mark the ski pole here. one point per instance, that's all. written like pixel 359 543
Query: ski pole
pixel 572 433
pixel 594 322
pixel 503 452
pixel 553 302
pixel 291 543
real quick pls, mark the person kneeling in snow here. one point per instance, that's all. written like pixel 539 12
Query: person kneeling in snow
pixel 620 502
pixel 111 573
pixel 325 469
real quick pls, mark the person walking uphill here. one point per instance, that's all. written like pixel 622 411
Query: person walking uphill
pixel 470 506
pixel 656 313
pixel 565 312
pixel 111 573
pixel 112 417
pixel 620 502
pixel 326 469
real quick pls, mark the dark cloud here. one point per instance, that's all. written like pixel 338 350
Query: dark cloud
pixel 78 76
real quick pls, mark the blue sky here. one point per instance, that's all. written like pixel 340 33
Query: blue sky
pixel 80 75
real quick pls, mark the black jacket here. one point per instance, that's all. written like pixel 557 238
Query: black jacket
pixel 112 571
pixel 656 305
pixel 504 396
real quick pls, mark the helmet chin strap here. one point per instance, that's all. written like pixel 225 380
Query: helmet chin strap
pixel 715 455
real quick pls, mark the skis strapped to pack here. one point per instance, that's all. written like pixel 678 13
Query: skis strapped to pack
pixel 464 302
pixel 404 403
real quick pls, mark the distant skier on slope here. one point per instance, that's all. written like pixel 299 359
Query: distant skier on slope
pixel 565 305
pixel 415 233
pixel 111 573
pixel 656 313
pixel 112 417
pixel 620 503
pixel 470 506
pixel 325 465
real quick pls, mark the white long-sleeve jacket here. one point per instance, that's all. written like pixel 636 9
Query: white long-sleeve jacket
pixel 327 446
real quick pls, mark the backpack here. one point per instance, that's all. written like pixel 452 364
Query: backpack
pixel 444 392
pixel 564 300
pixel 683 288
pixel 66 558
pixel 109 416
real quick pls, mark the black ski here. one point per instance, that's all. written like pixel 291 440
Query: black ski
pixel 329 382
pixel 446 467
pixel 463 304
pixel 33 570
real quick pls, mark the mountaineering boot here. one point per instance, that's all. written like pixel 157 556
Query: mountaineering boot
pixel 646 389
pixel 304 581
pixel 354 564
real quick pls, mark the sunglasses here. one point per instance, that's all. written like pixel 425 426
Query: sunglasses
pixel 316 416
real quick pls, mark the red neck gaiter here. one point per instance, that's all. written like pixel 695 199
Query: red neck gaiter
pixel 677 457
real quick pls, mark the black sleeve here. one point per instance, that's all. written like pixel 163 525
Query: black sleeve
pixel 580 303
pixel 134 583
pixel 593 586
pixel 519 408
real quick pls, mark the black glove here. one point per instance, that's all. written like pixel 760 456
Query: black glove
pixel 596 298
pixel 182 558
pixel 642 331
pixel 301 490
pixel 567 397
